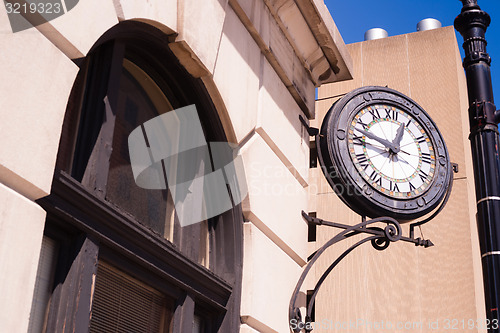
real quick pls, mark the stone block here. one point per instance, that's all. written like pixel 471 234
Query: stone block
pixel 280 126
pixel 34 99
pixel 21 233
pixel 269 278
pixel 237 75
pixel 275 199
pixel 162 11
pixel 200 24
pixel 83 25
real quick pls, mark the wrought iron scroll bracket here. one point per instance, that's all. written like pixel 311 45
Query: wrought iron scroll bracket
pixel 380 239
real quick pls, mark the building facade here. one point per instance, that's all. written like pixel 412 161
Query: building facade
pixel 406 288
pixel 82 247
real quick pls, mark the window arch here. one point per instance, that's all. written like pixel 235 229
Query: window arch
pixel 106 225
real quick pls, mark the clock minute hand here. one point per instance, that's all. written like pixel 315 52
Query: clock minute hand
pixel 397 139
pixel 386 143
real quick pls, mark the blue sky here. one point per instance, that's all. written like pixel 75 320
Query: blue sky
pixel 354 17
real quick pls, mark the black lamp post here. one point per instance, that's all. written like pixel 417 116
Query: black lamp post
pixel 483 119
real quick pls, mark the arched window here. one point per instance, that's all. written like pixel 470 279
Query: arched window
pixel 128 237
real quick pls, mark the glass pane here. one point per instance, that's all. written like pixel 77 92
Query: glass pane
pixel 197 324
pixel 139 100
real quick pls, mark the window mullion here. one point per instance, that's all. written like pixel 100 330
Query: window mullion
pixel 184 314
pixel 99 162
pixel 72 311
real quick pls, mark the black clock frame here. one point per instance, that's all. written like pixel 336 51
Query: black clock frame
pixel 343 176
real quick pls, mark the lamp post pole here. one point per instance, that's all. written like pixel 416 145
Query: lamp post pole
pixel 483 119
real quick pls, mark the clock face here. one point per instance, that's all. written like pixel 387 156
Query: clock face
pixel 391 150
pixel 383 155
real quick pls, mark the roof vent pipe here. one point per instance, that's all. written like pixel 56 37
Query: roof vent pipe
pixel 375 33
pixel 428 24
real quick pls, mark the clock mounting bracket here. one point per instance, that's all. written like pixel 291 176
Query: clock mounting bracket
pixel 379 237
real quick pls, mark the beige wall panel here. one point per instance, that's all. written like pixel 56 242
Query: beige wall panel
pixel 238 66
pixel 404 284
pixel 269 277
pixel 275 198
pixel 34 96
pixel 321 185
pixel 163 11
pixel 381 62
pixel 361 287
pixel 200 24
pixel 333 89
pixel 279 124
pixel 385 63
pixel 21 226
pixel 439 94
pixel 86 23
pixel 449 290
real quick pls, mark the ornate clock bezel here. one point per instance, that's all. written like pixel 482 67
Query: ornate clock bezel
pixel 342 174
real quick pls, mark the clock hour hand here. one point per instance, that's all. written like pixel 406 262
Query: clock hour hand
pixel 386 143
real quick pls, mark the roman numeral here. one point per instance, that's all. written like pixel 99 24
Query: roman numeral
pixel 395 188
pixel 411 187
pixel 426 158
pixel 374 175
pixel 357 140
pixel 391 114
pixel 377 179
pixel 365 126
pixel 363 161
pixel 422 175
pixel 421 139
pixel 408 123
pixel 361 158
pixel 374 114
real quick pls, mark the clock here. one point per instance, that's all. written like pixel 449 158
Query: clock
pixel 383 154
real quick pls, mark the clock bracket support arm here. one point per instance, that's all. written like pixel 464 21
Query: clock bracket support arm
pixel 380 239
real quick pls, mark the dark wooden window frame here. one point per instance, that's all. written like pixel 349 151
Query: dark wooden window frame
pixel 89 228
